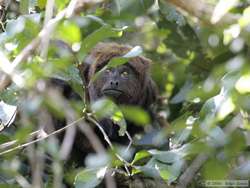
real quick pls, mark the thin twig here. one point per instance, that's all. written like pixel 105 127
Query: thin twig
pixel 43 138
pixel 10 73
pixel 106 138
pixel 130 140
pixel 126 164
pixel 45 42
pixel 10 143
pixel 22 181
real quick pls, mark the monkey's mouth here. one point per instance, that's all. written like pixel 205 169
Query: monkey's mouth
pixel 112 92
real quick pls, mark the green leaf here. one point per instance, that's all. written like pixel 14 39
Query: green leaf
pixel 140 155
pixel 22 133
pixel 68 31
pixel 243 84
pixel 61 4
pixel 90 178
pixel 135 115
pixel 150 169
pixel 4 138
pixel 15 26
pixel 166 156
pixel 181 95
pixel 131 7
pixel 97 160
pixel 118 119
pixel 105 108
pixel 218 137
pixel 215 169
pixel 171 13
pixel 117 61
pixel 180 123
pixel 24 6
pixel 157 169
pixel 236 145
pixel 172 172
pixel 24 29
pixel 222 7
pixel 102 33
pixel 41 3
pixel 7 113
pixel 180 32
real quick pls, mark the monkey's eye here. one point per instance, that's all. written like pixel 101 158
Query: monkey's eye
pixel 124 74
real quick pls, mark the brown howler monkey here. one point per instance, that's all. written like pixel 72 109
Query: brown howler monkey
pixel 129 84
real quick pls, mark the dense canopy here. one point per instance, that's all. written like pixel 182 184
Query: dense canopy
pixel 200 63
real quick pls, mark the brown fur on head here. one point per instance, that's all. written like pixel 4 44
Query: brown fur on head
pixel 145 92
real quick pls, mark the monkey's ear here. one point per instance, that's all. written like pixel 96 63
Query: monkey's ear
pixel 84 72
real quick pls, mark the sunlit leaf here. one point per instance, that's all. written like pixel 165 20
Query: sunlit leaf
pixel 243 84
pixel 117 61
pixel 61 4
pixel 91 40
pixel 135 115
pixel 68 31
pixel 140 155
pixel 226 108
pixel 7 113
pixel 90 178
pixel 245 19
pixel 41 3
pixel 222 7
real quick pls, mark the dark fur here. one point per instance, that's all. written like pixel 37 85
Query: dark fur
pixel 138 89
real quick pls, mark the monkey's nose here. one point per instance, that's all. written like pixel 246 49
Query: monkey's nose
pixel 114 83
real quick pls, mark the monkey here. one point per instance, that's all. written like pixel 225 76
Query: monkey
pixel 127 84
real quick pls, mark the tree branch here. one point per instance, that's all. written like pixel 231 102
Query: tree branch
pixel 202 10
pixel 73 7
pixel 41 138
pixel 197 163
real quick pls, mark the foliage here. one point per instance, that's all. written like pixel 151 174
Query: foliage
pixel 202 71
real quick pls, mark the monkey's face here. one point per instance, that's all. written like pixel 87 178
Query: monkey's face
pixel 121 83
